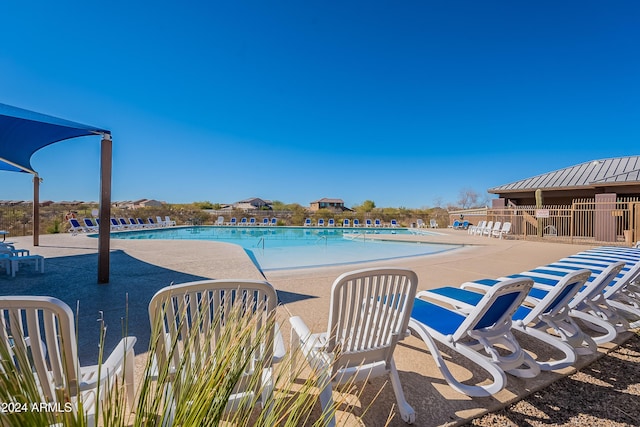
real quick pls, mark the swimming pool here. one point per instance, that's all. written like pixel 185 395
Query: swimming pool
pixel 276 248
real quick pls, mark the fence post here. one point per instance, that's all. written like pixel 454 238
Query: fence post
pixel 571 223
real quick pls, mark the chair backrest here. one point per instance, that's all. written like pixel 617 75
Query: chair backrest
pixel 201 310
pixel 114 222
pixel 133 221
pixel 74 223
pixel 558 296
pixel 497 225
pixel 122 221
pixel 243 221
pixel 506 228
pixel 265 221
pixel 496 307
pixel 88 222
pixel 151 221
pixel 274 221
pixel 432 223
pixel 307 221
pixel 369 314
pixel 42 328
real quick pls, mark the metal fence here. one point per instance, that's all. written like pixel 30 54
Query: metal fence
pixel 584 221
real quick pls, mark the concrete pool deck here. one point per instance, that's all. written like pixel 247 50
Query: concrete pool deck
pixel 141 267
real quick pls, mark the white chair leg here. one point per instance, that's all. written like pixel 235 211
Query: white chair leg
pixel 326 399
pixel 407 413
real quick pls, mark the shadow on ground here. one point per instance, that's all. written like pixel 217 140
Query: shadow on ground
pixel 73 279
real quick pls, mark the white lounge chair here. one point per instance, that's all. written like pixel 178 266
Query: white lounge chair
pixel 476 333
pixel 193 317
pixel 488 229
pixel 369 314
pixel 169 222
pixel 433 223
pixel 220 220
pixel 40 331
pixel 506 229
pixel 12 258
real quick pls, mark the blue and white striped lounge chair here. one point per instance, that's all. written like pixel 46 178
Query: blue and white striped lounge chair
pixel 252 221
pixel 332 222
pixel 547 310
pixel 233 221
pixel 367 223
pixel 346 222
pixel 90 226
pixel 476 333
pixel 320 222
pixel 307 222
pixel 356 222
pixel 394 223
pixel 377 223
pixel 75 227
pixel 274 221
pixel 265 221
pixel 243 221
pixel 115 224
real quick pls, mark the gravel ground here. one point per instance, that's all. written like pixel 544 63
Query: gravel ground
pixel 605 393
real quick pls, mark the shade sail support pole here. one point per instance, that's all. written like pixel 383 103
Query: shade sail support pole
pixel 105 208
pixel 36 210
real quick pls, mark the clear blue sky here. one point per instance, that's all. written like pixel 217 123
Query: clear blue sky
pixel 402 102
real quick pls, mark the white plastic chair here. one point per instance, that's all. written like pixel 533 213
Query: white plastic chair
pixel 44 329
pixel 196 311
pixel 368 315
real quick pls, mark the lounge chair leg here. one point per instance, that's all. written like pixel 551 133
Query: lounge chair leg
pixel 598 324
pixel 498 375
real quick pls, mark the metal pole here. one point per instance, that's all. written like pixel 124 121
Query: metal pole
pixel 36 210
pixel 105 208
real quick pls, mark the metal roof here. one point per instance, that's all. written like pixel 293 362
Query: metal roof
pixel 617 170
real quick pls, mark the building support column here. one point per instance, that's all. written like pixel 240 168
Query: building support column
pixel 36 210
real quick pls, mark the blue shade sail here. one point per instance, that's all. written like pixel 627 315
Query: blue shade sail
pixel 23 132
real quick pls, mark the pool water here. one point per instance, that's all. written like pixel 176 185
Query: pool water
pixel 275 248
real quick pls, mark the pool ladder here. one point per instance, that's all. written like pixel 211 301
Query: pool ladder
pixel 326 241
pixel 259 242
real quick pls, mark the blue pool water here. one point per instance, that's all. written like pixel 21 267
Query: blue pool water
pixel 274 248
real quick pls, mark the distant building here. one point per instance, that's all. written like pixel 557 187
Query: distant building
pixel 618 176
pixel 142 203
pixel 251 204
pixel 336 205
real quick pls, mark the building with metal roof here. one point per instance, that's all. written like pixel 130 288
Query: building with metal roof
pixel 618 175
